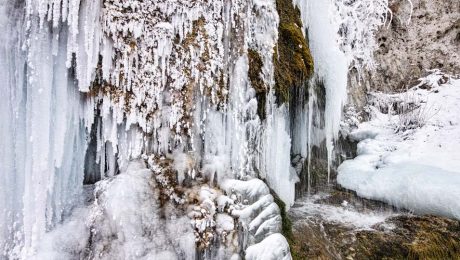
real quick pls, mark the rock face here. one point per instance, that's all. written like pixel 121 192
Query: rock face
pixel 426 38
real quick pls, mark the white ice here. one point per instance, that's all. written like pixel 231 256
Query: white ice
pixel 123 222
pixel 274 247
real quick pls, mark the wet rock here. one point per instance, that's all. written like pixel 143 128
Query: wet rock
pixel 400 236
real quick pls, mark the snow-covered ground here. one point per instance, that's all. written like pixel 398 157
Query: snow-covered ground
pixel 409 151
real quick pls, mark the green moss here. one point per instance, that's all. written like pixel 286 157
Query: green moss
pixel 297 250
pixel 286 228
pixel 255 70
pixel 292 59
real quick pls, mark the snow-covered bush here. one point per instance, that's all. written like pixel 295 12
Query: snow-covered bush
pixel 411 112
pixel 412 108
pixel 406 110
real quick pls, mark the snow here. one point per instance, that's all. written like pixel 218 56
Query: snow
pixel 274 247
pixel 415 168
pixel 67 238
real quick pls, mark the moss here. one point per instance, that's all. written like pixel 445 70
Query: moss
pixel 292 59
pixel 298 250
pixel 417 237
pixel 434 245
pixel 286 228
pixel 255 70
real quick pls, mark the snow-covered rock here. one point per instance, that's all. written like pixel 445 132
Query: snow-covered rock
pixel 419 35
pixel 415 167
pixel 274 247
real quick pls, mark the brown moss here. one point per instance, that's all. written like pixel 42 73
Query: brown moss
pixel 417 237
pixel 435 244
pixel 292 59
pixel 169 188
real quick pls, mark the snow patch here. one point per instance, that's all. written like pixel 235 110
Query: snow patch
pixel 417 169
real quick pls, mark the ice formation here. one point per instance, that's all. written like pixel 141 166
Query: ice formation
pixel 129 218
pixel 339 40
pixel 123 79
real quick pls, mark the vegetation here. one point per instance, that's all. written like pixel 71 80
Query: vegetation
pixel 293 61
pixel 255 70
pixel 297 252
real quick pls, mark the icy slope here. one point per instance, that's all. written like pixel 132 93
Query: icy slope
pixel 410 156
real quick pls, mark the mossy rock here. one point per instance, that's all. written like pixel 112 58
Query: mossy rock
pixel 299 249
pixel 255 72
pixel 413 237
pixel 403 236
pixel 293 61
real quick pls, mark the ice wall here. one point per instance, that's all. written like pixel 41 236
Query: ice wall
pixel 161 77
pixel 43 132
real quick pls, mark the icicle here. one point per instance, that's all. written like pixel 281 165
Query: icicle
pixel 340 33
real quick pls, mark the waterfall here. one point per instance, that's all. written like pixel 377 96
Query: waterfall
pixel 341 38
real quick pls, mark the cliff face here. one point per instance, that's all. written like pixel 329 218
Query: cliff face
pixel 421 37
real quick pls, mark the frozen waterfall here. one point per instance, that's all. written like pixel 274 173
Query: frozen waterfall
pixel 95 89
